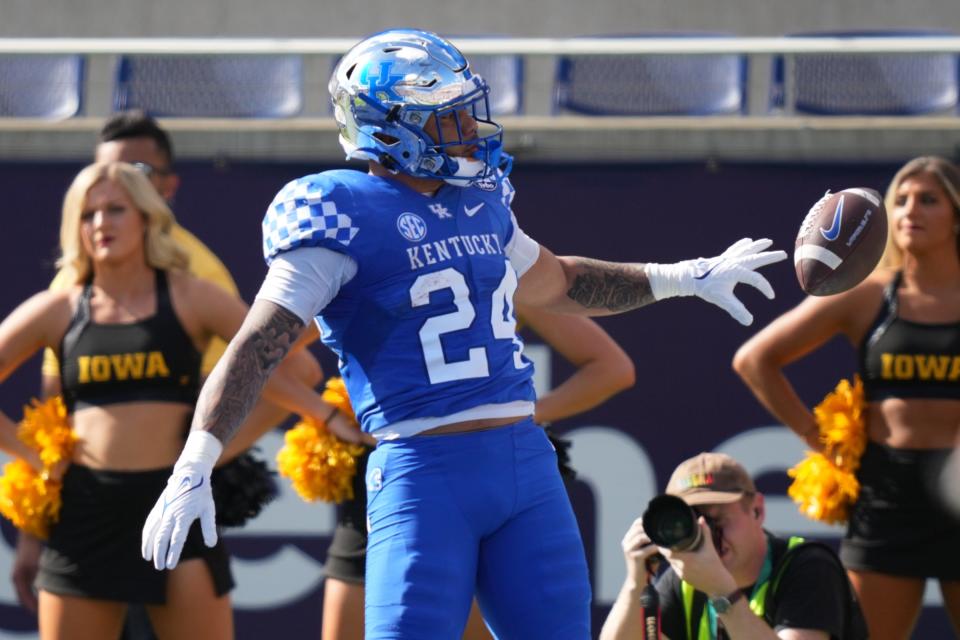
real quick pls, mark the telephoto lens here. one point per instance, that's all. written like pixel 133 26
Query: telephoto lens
pixel 670 522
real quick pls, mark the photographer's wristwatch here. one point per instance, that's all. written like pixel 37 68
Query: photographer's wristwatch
pixel 722 604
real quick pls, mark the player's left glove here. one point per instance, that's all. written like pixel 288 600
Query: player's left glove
pixel 187 496
pixel 714 279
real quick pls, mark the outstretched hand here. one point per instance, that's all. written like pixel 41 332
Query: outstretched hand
pixel 715 278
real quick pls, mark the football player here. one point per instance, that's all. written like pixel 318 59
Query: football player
pixel 411 270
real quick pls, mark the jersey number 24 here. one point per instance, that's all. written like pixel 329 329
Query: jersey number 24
pixel 502 320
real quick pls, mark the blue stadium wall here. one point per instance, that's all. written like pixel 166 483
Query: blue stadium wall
pixel 686 399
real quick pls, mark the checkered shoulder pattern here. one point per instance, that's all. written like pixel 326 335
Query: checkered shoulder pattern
pixel 305 214
pixel 507 192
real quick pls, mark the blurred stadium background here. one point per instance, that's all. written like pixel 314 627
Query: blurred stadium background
pixel 654 187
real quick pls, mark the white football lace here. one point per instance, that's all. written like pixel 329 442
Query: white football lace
pixel 813 214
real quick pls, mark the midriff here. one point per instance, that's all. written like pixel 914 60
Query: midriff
pixel 471 425
pixel 130 436
pixel 914 423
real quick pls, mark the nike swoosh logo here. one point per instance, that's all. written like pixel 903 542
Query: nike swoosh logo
pixel 471 211
pixel 833 232
pixel 707 272
pixel 182 490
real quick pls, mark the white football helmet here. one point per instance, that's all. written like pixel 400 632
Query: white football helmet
pixel 387 89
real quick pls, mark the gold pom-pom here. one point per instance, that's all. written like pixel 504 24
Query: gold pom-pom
pixel 45 429
pixel 823 491
pixel 825 484
pixel 320 465
pixel 28 498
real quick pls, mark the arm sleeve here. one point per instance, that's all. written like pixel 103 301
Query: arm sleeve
pixel 305 280
pixel 521 250
pixel 811 595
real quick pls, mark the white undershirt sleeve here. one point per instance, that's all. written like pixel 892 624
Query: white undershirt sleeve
pixel 305 280
pixel 522 250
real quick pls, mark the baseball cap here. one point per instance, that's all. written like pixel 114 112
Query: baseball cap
pixel 710 478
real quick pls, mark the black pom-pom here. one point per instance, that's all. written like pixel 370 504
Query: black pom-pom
pixel 242 488
pixel 562 446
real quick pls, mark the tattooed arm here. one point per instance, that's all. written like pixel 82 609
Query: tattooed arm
pixel 264 341
pixel 231 390
pixel 586 286
pixel 606 287
pixel 234 385
pixel 287 300
pixel 583 286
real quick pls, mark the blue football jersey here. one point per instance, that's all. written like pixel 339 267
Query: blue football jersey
pixel 425 330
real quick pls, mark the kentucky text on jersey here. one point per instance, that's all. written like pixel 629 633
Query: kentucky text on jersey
pixel 431 253
pixel 919 366
pixel 122 366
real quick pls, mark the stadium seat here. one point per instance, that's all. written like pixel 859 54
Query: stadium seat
pixel 865 84
pixel 649 85
pixel 504 75
pixel 221 86
pixel 41 86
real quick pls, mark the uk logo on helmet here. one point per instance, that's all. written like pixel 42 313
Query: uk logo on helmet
pixel 382 84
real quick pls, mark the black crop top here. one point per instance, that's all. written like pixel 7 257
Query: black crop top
pixel 150 360
pixel 905 359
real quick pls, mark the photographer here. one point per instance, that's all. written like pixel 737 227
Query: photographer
pixel 737 580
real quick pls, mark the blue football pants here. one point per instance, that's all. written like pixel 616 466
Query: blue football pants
pixel 483 513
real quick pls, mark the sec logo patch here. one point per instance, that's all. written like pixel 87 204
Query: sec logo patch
pixel 412 227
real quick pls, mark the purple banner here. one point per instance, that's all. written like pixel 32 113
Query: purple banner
pixel 687 398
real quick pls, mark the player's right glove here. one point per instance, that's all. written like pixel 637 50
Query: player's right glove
pixel 187 496
pixel 713 279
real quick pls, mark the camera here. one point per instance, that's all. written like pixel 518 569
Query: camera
pixel 670 522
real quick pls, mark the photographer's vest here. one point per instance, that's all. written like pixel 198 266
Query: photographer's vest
pixel 707 628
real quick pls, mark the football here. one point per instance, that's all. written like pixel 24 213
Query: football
pixel 840 241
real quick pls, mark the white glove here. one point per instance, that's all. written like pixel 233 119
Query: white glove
pixel 714 279
pixel 188 496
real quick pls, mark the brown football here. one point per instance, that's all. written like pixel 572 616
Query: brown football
pixel 840 241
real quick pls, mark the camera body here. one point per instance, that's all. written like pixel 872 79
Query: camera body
pixel 672 523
